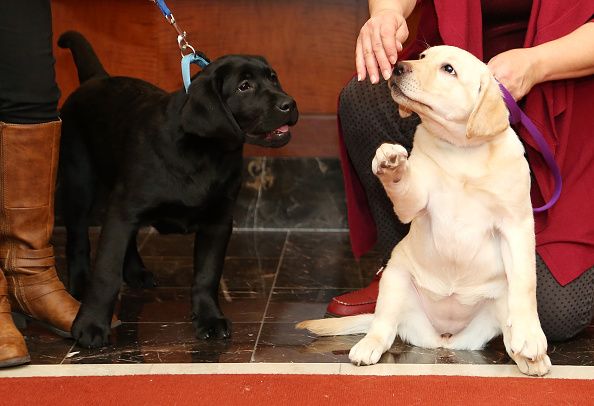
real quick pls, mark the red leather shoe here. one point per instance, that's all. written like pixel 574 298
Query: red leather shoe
pixel 358 302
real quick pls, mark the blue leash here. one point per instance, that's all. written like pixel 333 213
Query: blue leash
pixel 164 9
pixel 190 58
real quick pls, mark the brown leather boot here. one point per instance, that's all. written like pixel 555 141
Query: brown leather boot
pixel 13 350
pixel 28 164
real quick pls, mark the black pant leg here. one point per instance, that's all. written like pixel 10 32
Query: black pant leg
pixel 29 93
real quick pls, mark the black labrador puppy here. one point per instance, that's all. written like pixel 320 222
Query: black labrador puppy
pixel 170 160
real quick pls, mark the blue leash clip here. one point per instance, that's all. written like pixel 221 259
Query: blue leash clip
pixel 184 46
pixel 185 66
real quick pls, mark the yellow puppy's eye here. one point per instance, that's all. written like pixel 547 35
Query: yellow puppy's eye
pixel 421 56
pixel 449 69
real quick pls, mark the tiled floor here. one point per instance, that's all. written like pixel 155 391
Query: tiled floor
pixel 289 255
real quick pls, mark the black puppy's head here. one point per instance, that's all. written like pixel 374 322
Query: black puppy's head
pixel 239 98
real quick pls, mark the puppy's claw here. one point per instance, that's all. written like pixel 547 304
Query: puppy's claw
pixel 218 328
pixel 540 367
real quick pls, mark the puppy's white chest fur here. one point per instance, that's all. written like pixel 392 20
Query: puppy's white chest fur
pixel 454 244
pixel 459 222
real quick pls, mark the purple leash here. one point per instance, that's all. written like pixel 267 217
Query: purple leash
pixel 516 115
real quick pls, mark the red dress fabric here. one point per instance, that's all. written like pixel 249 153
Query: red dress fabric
pixel 562 110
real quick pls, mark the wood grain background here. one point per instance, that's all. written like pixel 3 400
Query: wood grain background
pixel 309 43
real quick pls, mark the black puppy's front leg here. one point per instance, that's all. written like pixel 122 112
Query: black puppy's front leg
pixel 92 325
pixel 210 246
pixel 78 255
pixel 135 273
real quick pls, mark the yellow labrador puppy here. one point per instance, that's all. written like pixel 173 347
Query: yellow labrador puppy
pixel 465 272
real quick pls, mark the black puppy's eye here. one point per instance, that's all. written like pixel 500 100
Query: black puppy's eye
pixel 449 69
pixel 273 77
pixel 244 86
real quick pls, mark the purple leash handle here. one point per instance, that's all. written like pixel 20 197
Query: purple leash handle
pixel 516 115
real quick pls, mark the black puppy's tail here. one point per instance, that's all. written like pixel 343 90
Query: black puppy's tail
pixel 86 61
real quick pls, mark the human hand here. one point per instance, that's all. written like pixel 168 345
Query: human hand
pixel 517 70
pixel 378 44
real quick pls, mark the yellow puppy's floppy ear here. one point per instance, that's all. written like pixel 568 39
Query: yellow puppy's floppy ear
pixel 489 116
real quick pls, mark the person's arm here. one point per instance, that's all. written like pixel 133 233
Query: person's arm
pixel 568 57
pixel 571 56
pixel 405 6
pixel 381 37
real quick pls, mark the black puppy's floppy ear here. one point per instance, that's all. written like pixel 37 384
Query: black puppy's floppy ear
pixel 205 113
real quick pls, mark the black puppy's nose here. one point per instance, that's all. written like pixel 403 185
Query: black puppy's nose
pixel 286 105
pixel 401 68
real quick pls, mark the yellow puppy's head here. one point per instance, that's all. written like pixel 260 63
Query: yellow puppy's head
pixel 450 88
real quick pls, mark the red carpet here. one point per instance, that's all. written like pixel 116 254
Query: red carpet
pixel 293 390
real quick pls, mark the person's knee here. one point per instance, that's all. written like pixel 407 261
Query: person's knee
pixel 349 94
pixel 564 322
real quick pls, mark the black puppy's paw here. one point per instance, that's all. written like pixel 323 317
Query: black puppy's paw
pixel 212 328
pixel 90 333
pixel 140 279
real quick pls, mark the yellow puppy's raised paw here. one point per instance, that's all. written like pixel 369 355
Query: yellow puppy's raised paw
pixel 389 160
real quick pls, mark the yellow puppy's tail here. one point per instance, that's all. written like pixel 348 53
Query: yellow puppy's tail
pixel 338 326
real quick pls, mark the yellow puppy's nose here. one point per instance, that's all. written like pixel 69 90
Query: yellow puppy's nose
pixel 401 68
